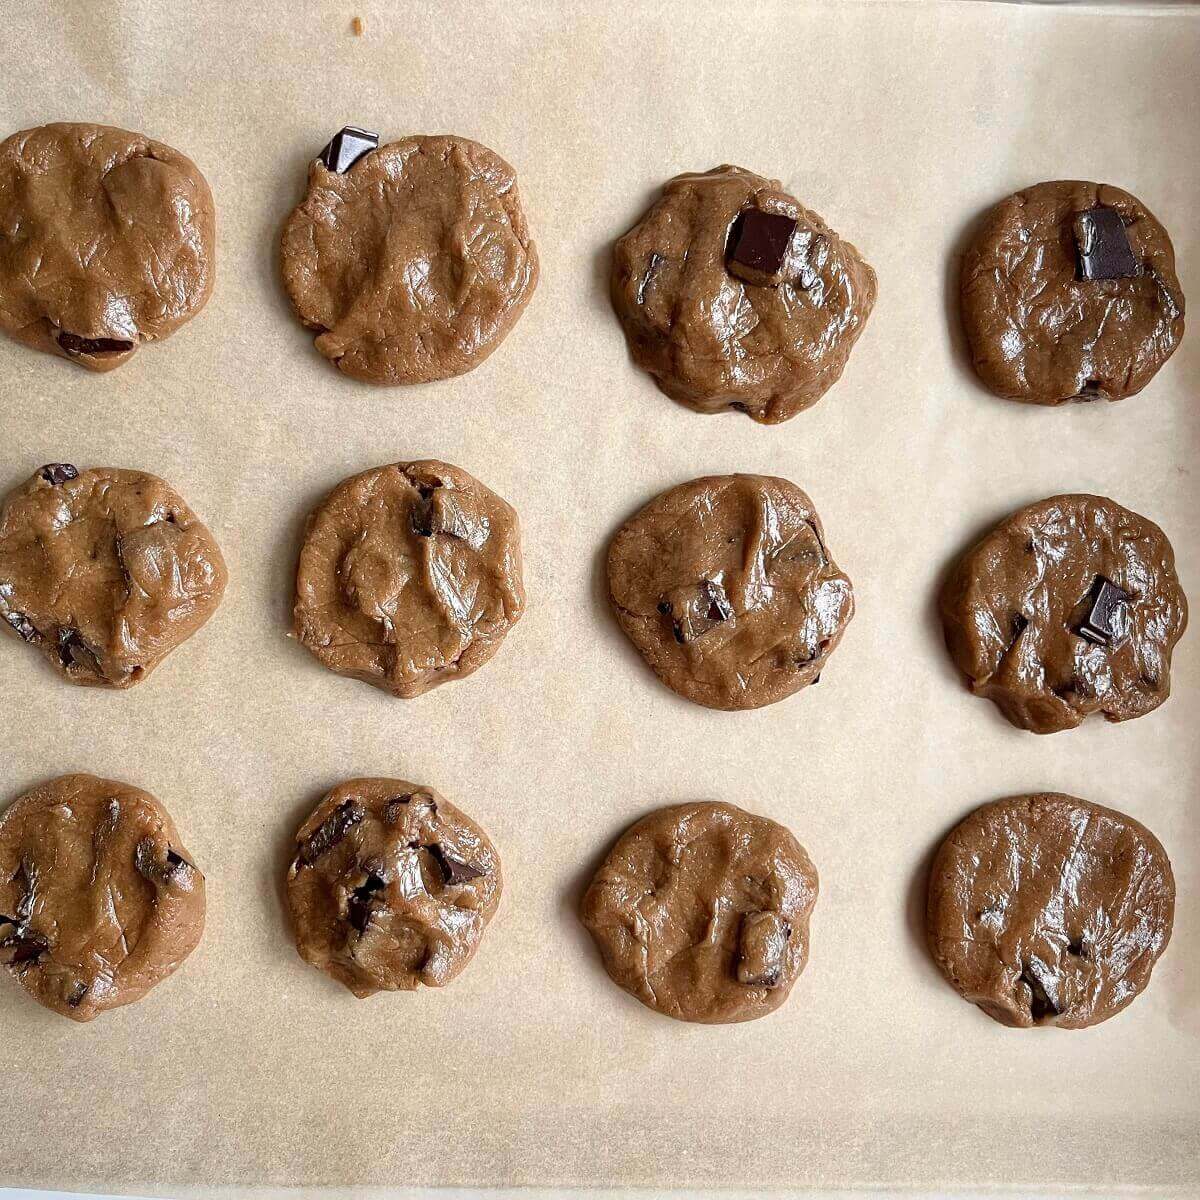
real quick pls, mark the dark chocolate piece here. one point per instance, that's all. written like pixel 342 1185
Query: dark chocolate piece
pixel 1104 600
pixel 719 608
pixel 74 344
pixel 73 651
pixel 346 147
pixel 758 246
pixel 1102 245
pixel 361 902
pixel 1041 1005
pixel 57 473
pixel 330 832
pixel 454 869
pixel 75 999
pixel 22 624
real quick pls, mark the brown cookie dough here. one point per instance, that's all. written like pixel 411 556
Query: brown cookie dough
pixel 1069 293
pixel 413 263
pixel 391 886
pixel 1048 910
pixel 733 295
pixel 99 901
pixel 1069 607
pixel 701 912
pixel 107 240
pixel 725 586
pixel 410 575
pixel 104 571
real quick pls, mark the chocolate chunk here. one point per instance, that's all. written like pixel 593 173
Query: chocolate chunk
pixel 173 870
pixel 1101 625
pixel 719 608
pixel 422 517
pixel 75 999
pixel 74 652
pixel 361 902
pixel 330 832
pixel 347 147
pixel 18 945
pixel 454 869
pixel 57 473
pixel 1041 1006
pixel 1102 245
pixel 762 949
pixel 73 344
pixel 22 624
pixel 758 246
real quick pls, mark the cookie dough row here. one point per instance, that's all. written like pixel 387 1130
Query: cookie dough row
pixel 1042 909
pixel 410 576
pixel 412 261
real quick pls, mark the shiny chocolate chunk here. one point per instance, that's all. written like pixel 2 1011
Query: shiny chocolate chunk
pixel 454 869
pixel 74 344
pixel 1103 623
pixel 1102 245
pixel 57 473
pixel 23 626
pixel 330 832
pixel 347 147
pixel 758 246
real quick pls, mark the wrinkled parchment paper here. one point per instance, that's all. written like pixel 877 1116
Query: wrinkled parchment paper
pixel 898 124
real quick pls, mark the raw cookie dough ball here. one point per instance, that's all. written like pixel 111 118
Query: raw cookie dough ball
pixel 411 262
pixel 410 575
pixel 99 899
pixel 701 912
pixel 105 571
pixel 1048 910
pixel 1069 293
pixel 391 886
pixel 107 240
pixel 734 295
pixel 1069 607
pixel 725 586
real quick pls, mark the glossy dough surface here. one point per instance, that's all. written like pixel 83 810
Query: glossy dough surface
pixel 415 263
pixel 410 575
pixel 1048 910
pixel 107 240
pixel 391 886
pixel 104 571
pixel 1013 606
pixel 1038 332
pixel 701 911
pixel 727 589
pixel 99 900
pixel 715 342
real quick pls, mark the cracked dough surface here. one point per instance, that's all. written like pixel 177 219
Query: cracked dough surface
pixel 1039 334
pixel 1013 606
pixel 410 575
pixel 107 240
pixel 701 911
pixel 99 900
pixel 391 886
pixel 105 571
pixel 1048 910
pixel 727 589
pixel 712 340
pixel 415 263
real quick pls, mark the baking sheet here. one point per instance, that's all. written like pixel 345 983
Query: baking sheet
pixel 898 123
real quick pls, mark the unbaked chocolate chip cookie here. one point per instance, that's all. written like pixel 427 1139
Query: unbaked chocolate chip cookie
pixel 1069 607
pixel 413 261
pixel 104 571
pixel 1048 910
pixel 1069 293
pixel 728 591
pixel 391 886
pixel 733 295
pixel 701 911
pixel 99 901
pixel 410 575
pixel 107 240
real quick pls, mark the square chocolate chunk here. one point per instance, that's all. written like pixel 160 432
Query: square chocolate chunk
pixel 758 246
pixel 1103 625
pixel 1102 245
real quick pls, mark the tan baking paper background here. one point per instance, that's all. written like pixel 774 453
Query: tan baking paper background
pixel 898 123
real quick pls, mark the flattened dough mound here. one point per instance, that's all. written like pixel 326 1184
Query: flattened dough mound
pixel 1040 334
pixel 104 571
pixel 107 240
pixel 701 911
pixel 391 886
pixel 415 263
pixel 410 575
pixel 715 342
pixel 1014 606
pixel 1048 910
pixel 728 591
pixel 99 900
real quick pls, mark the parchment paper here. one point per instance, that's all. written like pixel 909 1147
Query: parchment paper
pixel 898 124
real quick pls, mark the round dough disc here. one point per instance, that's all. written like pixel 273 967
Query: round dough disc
pixel 1048 910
